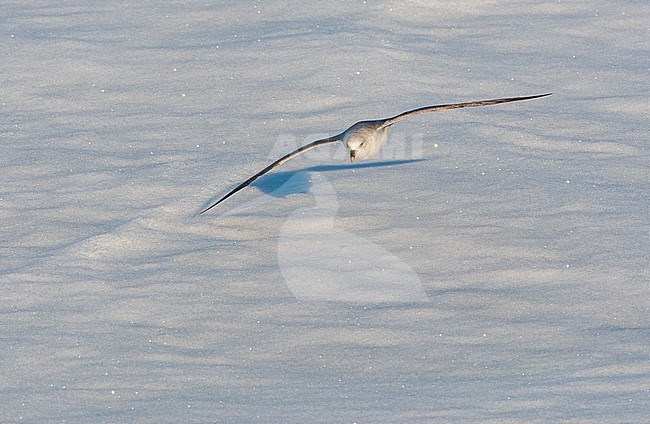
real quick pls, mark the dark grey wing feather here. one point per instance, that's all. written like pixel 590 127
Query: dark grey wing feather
pixel 438 108
pixel 275 164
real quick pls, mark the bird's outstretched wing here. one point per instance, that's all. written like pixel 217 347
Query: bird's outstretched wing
pixel 438 108
pixel 275 164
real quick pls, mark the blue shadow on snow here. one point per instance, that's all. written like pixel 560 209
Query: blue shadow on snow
pixel 273 181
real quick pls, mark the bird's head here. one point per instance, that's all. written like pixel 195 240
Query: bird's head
pixel 357 148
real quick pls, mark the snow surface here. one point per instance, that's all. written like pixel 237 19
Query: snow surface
pixel 521 231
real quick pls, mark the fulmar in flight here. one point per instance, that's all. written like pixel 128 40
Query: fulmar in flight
pixel 364 139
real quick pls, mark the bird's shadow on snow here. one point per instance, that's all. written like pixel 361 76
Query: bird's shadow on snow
pixel 275 184
pixel 286 183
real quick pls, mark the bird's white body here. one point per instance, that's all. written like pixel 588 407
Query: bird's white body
pixel 364 139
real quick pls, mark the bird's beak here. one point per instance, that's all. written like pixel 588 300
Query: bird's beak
pixel 353 155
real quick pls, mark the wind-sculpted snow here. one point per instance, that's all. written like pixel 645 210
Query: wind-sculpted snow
pixel 490 265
